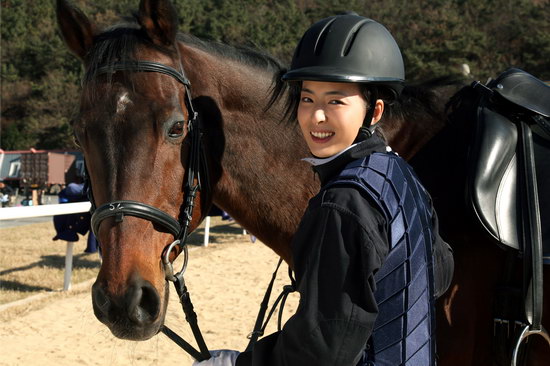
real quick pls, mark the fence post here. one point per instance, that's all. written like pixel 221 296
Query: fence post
pixel 206 231
pixel 68 266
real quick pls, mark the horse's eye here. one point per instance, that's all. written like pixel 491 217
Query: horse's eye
pixel 176 130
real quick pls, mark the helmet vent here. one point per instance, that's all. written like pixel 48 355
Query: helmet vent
pixel 322 36
pixel 351 37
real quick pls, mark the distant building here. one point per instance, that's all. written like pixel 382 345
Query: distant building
pixel 10 165
pixel 45 172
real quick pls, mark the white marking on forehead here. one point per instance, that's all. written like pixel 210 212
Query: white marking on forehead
pixel 123 100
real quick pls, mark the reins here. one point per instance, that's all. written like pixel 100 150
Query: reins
pixel 260 324
pixel 119 209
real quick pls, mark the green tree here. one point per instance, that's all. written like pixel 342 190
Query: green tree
pixel 40 79
pixel 14 137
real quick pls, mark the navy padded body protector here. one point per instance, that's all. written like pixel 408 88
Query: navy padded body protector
pixel 403 333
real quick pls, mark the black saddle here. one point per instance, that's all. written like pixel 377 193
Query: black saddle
pixel 493 183
pixel 524 90
pixel 508 179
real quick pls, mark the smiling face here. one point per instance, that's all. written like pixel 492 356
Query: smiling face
pixel 330 115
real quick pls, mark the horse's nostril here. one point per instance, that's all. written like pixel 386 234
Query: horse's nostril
pixel 144 305
pixel 150 301
pixel 100 302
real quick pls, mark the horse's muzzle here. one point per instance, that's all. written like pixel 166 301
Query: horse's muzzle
pixel 134 315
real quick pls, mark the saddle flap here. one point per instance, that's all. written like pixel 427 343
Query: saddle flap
pixel 523 89
pixel 493 177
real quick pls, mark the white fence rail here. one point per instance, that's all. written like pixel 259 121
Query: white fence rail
pixel 14 213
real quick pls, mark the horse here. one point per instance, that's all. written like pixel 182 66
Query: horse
pixel 133 129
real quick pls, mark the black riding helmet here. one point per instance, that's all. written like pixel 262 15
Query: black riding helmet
pixel 349 48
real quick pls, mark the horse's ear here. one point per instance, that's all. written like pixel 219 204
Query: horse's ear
pixel 76 28
pixel 159 20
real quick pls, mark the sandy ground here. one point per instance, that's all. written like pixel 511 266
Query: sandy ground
pixel 226 283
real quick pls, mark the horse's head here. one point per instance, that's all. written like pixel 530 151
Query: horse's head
pixel 132 126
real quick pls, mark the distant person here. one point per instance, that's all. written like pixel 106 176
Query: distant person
pixel 6 192
pixel 5 199
pixel 216 211
pixel 68 226
pixel 226 216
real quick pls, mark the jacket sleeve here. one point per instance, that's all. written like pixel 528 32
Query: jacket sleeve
pixel 443 261
pixel 335 258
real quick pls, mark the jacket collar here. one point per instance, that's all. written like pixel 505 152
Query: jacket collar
pixel 329 167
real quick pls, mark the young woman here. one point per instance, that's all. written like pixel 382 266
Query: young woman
pixel 368 258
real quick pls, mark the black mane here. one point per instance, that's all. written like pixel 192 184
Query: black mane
pixel 246 55
pixel 120 42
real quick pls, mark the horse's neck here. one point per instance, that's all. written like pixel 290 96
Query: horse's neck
pixel 406 138
pixel 419 117
pixel 441 165
pixel 260 179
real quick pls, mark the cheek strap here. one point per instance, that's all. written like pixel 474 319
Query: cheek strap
pixel 366 129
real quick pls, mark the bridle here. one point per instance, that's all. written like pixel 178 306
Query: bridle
pixel 121 208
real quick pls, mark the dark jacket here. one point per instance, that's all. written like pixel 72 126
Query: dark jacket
pixel 68 226
pixel 340 243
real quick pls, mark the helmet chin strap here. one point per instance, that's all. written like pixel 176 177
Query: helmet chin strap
pixel 367 130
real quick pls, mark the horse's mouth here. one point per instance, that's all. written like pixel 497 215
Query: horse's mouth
pixel 123 327
pixel 132 332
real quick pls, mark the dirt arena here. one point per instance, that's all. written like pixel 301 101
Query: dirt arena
pixel 226 282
